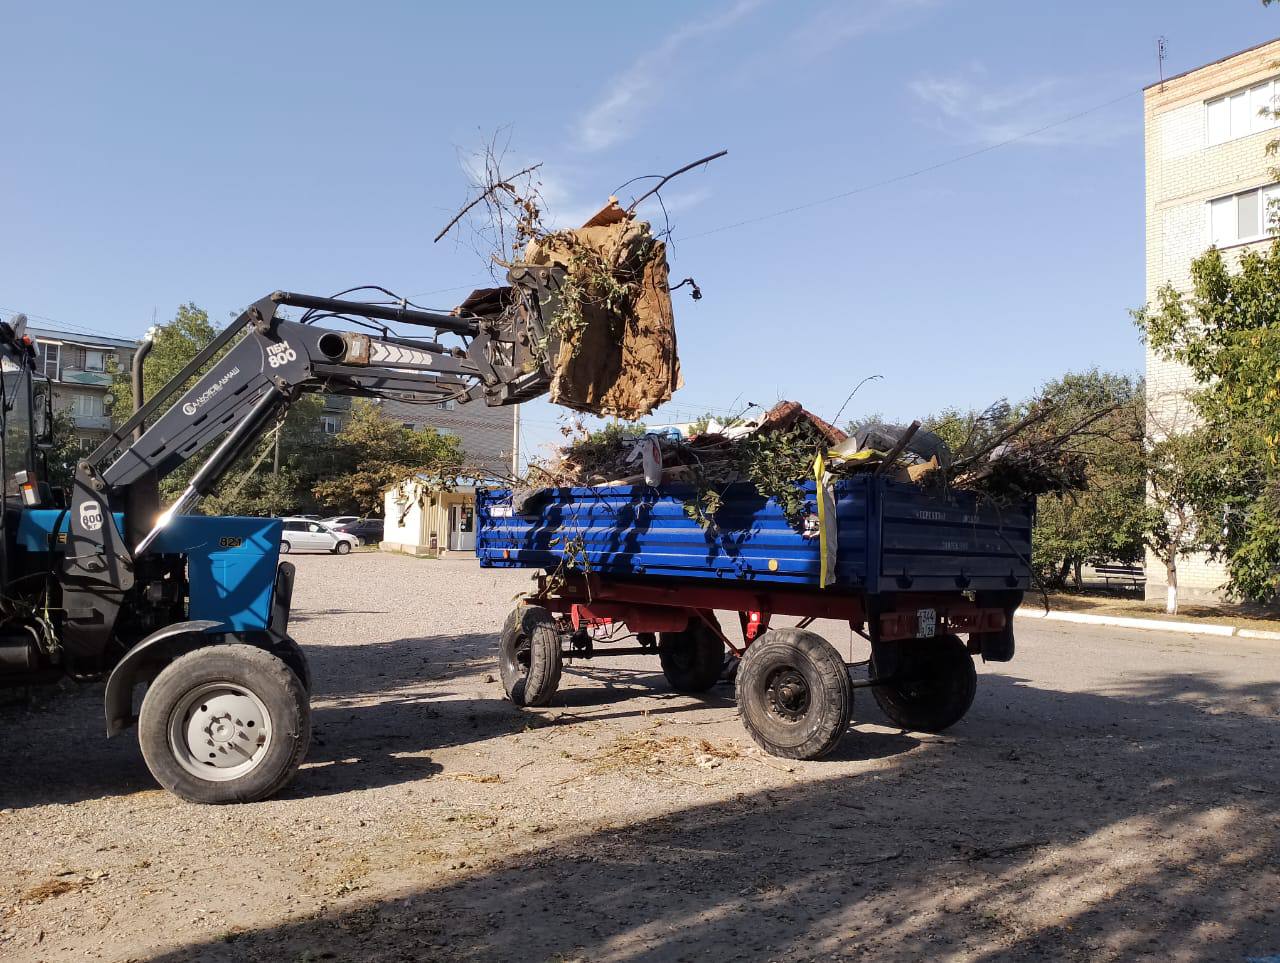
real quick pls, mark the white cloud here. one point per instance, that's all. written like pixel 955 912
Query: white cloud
pixel 636 91
pixel 838 23
pixel 972 107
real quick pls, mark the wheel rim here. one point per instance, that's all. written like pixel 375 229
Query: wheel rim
pixel 787 695
pixel 520 656
pixel 219 731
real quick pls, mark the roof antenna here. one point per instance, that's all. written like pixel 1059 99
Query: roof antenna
pixel 1161 53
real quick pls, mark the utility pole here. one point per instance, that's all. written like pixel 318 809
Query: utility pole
pixel 515 442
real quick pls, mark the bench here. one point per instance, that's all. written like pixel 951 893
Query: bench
pixel 1133 574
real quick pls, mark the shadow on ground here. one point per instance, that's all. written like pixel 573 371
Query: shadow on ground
pixel 1048 825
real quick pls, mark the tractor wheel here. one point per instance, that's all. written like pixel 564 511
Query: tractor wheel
pixel 692 659
pixel 225 724
pixel 794 694
pixel 933 684
pixel 529 659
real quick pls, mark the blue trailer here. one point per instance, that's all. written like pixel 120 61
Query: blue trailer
pixel 910 569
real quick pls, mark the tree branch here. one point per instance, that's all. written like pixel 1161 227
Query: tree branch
pixel 676 173
pixel 503 184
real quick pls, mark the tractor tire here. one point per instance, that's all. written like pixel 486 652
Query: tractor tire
pixel 225 724
pixel 529 657
pixel 692 659
pixel 934 684
pixel 794 694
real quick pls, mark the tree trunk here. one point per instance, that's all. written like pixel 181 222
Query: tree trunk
pixel 1079 582
pixel 1171 582
pixel 1062 572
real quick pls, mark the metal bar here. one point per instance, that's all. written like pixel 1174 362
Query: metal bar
pixel 382 312
pixel 139 358
pixel 223 457
pixel 607 650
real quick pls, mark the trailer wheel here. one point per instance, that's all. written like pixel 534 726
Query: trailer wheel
pixel 529 659
pixel 934 684
pixel 225 724
pixel 692 659
pixel 794 694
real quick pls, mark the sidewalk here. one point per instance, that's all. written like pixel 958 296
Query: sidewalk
pixel 1155 625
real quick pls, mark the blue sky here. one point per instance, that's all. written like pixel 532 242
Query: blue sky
pixel 160 153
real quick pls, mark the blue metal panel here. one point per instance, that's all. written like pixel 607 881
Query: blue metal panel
pixel 231 562
pixel 890 537
pixel 231 566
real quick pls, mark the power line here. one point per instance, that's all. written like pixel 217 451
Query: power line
pixel 914 173
pixel 68 324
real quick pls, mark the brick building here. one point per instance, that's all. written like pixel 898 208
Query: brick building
pixel 486 434
pixel 1208 182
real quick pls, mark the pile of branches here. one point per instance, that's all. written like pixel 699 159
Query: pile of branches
pixel 1003 457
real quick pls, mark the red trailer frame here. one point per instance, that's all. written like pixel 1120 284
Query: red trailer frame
pixel 588 601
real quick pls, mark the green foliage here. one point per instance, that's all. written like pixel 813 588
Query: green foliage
pixel 372 453
pixel 62 457
pixel 1227 332
pixel 1107 521
pixel 778 461
pixel 175 343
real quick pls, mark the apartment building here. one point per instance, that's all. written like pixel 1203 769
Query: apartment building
pixel 1208 182
pixel 80 366
pixel 486 434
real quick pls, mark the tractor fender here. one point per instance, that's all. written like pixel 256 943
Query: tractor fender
pixel 173 640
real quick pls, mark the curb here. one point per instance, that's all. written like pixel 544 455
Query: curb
pixel 1154 625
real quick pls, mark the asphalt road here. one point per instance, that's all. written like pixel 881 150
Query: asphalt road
pixel 1112 795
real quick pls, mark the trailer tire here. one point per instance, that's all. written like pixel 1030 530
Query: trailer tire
pixel 794 694
pixel 257 732
pixel 938 683
pixel 529 659
pixel 692 659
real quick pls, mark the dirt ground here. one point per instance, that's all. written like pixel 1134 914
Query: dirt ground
pixel 1112 795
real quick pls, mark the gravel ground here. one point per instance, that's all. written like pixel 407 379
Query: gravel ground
pixel 1112 795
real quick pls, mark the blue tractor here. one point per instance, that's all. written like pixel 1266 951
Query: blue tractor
pixel 186 617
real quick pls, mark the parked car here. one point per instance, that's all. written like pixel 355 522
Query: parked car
pixel 335 521
pixel 368 530
pixel 306 535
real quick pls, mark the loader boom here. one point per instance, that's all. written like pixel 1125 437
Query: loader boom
pixel 256 369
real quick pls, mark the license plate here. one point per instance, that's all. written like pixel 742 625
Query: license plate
pixel 926 623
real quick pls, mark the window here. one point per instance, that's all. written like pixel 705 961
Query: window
pixel 330 424
pixel 293 526
pixel 1242 112
pixel 86 406
pixel 95 360
pixel 447 405
pixel 408 424
pixel 1241 218
pixel 86 445
pixel 51 357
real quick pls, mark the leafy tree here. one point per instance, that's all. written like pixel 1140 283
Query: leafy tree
pixel 1226 331
pixel 175 343
pixel 63 455
pixel 372 453
pixel 1104 523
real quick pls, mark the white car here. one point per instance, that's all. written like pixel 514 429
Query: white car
pixel 306 535
pixel 333 521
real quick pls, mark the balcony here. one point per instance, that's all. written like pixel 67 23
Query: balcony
pixel 92 422
pixel 81 376
pixel 337 402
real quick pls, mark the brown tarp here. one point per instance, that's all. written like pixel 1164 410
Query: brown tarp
pixel 621 359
